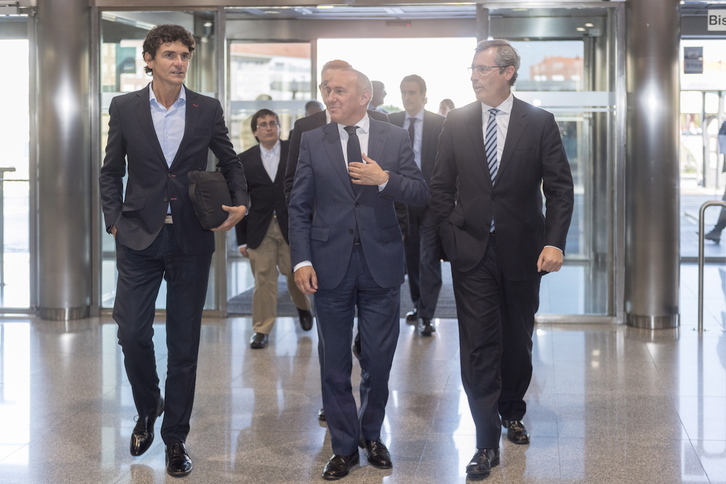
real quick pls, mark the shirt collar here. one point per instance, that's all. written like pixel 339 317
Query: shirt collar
pixel 181 99
pixel 504 108
pixel 275 149
pixel 419 115
pixel 364 125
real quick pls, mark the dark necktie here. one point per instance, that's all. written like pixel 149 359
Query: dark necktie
pixel 354 152
pixel 490 147
pixel 490 144
pixel 412 129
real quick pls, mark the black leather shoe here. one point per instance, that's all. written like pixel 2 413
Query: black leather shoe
pixel 481 464
pixel 378 455
pixel 259 340
pixel 356 346
pixel 321 414
pixel 143 434
pixel 714 236
pixel 306 319
pixel 178 463
pixel 412 316
pixel 426 327
pixel 516 432
pixel 339 465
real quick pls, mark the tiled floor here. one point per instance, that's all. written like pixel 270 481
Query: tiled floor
pixel 608 404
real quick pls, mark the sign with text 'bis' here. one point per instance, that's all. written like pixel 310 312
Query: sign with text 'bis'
pixel 716 19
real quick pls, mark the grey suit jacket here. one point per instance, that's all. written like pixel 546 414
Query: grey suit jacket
pixel 464 200
pixel 325 210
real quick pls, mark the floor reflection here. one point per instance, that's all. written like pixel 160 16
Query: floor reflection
pixel 607 404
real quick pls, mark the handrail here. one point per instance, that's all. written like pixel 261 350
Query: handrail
pixel 701 255
pixel 3 170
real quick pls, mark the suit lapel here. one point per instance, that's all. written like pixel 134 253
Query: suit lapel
pixel 335 155
pixel 143 114
pixel 282 165
pixel 476 135
pixel 190 122
pixel 517 126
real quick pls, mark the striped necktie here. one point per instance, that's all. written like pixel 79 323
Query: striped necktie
pixel 490 144
pixel 490 147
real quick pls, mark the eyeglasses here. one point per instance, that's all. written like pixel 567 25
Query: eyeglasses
pixel 267 125
pixel 481 70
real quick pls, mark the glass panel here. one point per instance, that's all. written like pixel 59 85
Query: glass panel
pixel 14 176
pixel 701 160
pixel 122 71
pixel 276 76
pixel 552 75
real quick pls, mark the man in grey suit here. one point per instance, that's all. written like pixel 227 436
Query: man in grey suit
pixel 346 249
pixel 496 157
pixel 159 134
pixel 420 238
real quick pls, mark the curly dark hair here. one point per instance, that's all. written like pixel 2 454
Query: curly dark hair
pixel 162 34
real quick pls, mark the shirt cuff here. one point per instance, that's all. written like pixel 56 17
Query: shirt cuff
pixel 304 263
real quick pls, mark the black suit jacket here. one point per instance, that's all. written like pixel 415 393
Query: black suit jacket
pixel 432 126
pixel 464 200
pixel 266 196
pixel 302 125
pixel 152 185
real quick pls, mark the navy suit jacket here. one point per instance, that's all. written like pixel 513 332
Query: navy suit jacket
pixel 464 201
pixel 266 197
pixel 325 209
pixel 301 126
pixel 152 185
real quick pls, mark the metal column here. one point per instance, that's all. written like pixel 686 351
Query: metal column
pixel 64 158
pixel 652 176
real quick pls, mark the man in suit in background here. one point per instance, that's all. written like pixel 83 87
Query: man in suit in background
pixel 262 235
pixel 346 249
pixel 379 94
pixel 495 159
pixel 159 134
pixel 421 240
pixel 315 120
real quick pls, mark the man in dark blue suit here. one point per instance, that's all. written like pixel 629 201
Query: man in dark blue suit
pixel 159 134
pixel 346 248
pixel 421 240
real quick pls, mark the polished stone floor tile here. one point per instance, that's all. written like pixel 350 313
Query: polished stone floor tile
pixel 607 404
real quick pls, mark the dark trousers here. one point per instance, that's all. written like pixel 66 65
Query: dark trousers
pixel 423 261
pixel 496 320
pixel 139 277
pixel 378 325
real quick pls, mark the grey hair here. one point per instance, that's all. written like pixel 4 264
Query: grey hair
pixel 506 55
pixel 362 81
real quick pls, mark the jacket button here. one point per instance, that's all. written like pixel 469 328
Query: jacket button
pixel 166 199
pixel 350 231
pixel 357 204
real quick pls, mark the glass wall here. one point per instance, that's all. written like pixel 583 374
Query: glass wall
pixel 702 158
pixel 15 175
